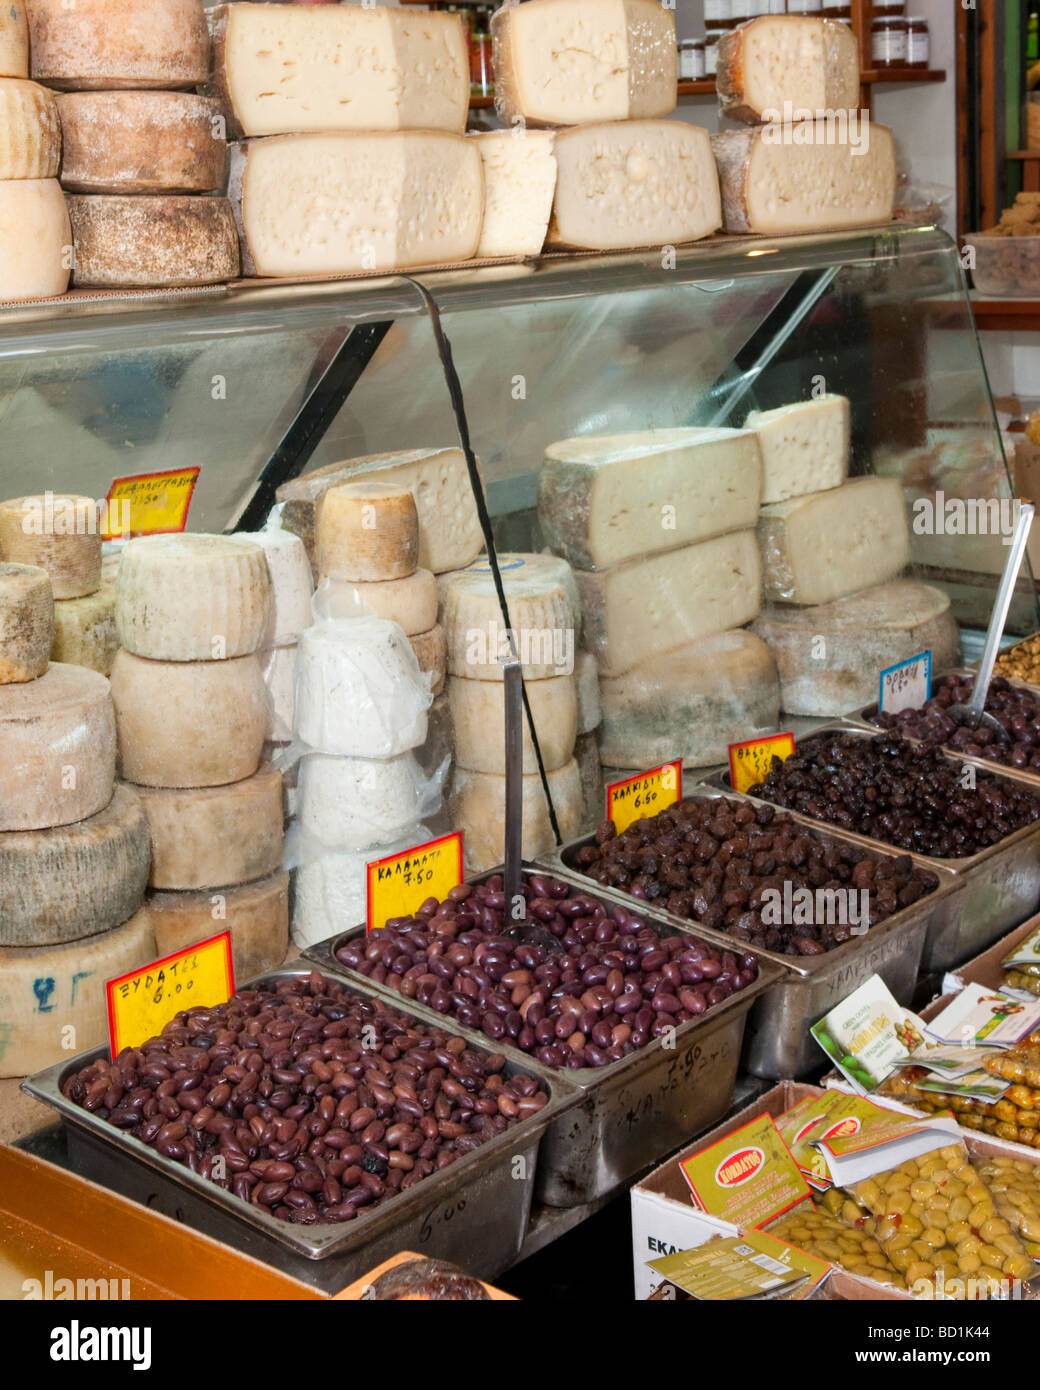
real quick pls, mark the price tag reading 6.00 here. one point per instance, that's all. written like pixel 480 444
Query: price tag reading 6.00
pixel 749 762
pixel 142 1002
pixel 644 795
pixel 401 883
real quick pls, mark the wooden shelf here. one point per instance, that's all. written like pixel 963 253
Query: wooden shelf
pixel 1023 154
pixel 1007 315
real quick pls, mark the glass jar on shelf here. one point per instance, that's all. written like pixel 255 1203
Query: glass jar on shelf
pixel 711 54
pixel 810 7
pixel 888 42
pixel 718 17
pixel 918 42
pixel 691 60
pixel 481 74
pixel 889 9
pixel 840 12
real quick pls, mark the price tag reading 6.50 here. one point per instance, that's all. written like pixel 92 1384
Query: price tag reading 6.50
pixel 749 762
pixel 401 883
pixel 142 1002
pixel 644 795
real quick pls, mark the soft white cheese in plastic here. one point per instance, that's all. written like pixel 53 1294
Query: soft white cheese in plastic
pixel 331 888
pixel 354 803
pixel 291 579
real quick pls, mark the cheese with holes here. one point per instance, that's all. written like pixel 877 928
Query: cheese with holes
pixel 291 579
pixel 829 657
pixel 347 201
pixel 587 685
pixel 777 65
pixel 606 498
pixel 639 611
pixel 104 44
pixel 30 135
pixel 189 723
pixel 355 803
pixel 634 183
pixel 691 703
pixel 805 446
pixel 279 668
pixel 77 880
pixel 566 62
pixel 590 770
pixel 829 544
pixel 193 598
pixel 798 182
pixel 141 142
pixel 478 716
pixel 544 609
pixel 478 809
pixel 85 630
pixel 26 622
pixel 330 892
pixel 57 749
pixel 256 915
pixel 58 533
pixel 210 837
pixel 431 652
pixel 163 242
pixel 35 239
pixel 368 531
pixel 519 183
pixel 14 40
pixel 53 1002
pixel 411 602
pixel 288 68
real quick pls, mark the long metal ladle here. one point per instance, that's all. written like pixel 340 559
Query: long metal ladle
pixel 520 926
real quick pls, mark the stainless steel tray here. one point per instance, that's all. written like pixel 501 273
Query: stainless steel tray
pixel 474 1212
pixel 777 1044
pixel 633 1112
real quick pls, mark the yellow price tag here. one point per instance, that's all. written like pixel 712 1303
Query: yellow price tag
pixel 644 795
pixel 149 504
pixel 749 762
pixel 401 883
pixel 140 1003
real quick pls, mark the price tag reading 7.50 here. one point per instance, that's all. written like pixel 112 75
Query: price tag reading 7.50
pixel 644 795
pixel 142 1002
pixel 401 883
pixel 749 762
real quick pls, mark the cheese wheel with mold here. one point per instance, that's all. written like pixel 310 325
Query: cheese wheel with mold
pixel 141 142
pixel 59 533
pixel 26 622
pixel 812 64
pixel 431 652
pixel 14 40
pixel 30 133
pixel 162 242
pixel 478 717
pixel 103 45
pixel 411 602
pixel 478 809
pixel 256 915
pixel 85 630
pixel 35 240
pixel 368 531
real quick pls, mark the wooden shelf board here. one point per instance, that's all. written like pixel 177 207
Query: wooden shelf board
pixel 1007 315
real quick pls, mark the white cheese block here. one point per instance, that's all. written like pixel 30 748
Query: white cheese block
pixel 478 809
pixel 411 602
pixel 634 183
pixel 14 40
pixel 637 612
pixel 103 44
pixel 519 183
pixel 368 531
pixel 830 657
pixel 211 837
pixel 85 630
pixel 26 622
pixel 587 681
pixel 478 716
pixel 60 534
pixel 543 606
pixel 189 723
pixel 590 770
pixel 30 134
pixel 330 893
pixel 566 62
pixel 256 915
pixel 806 185
pixel 431 652
pixel 691 703
pixel 161 242
pixel 805 446
pixel 53 1002
pixel 449 528
pixel 57 749
pixel 35 240
pixel 777 65
pixel 829 544
pixel 355 803
pixel 606 498
pixel 291 578
pixel 279 668
pixel 290 68
pixel 141 142
pixel 78 880
pixel 344 201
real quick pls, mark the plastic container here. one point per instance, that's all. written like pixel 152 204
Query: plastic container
pixel 1006 266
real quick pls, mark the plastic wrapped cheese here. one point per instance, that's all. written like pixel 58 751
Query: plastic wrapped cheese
pixel 279 668
pixel 355 803
pixel 291 580
pixel 330 889
pixel 773 65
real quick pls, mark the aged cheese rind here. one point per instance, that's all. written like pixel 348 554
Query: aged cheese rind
pixel 14 40
pixel 411 602
pixel 805 446
pixel 141 142
pixel 519 184
pixel 85 630
pixel 35 239
pixel 102 45
pixel 368 531
pixel 60 534
pixel 162 242
pixel 256 915
pixel 293 585
pixel 478 716
pixel 30 134
pixel 189 723
pixel 431 652
pixel 26 622
pixel 605 499
pixel 478 801
pixel 355 803
pixel 812 64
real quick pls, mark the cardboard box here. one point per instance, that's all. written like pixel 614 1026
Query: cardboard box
pixel 986 969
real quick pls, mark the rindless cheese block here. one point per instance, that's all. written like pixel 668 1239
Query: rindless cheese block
pixel 348 201
pixel 829 544
pixel 57 749
pixel 98 45
pixel 283 69
pixel 519 183
pixel 478 809
pixel 85 630
pixel 637 612
pixel 189 723
pixel 802 179
pixel 411 602
pixel 211 837
pixel 805 446
pixel 567 62
pixel 14 40
pixel 691 703
pixel 141 142
pixel 30 135
pixel 368 531
pixel 60 534
pixel 330 892
pixel 77 880
pixel 634 183
pixel 478 716
pixel 256 915
pixel 193 598
pixel 162 242
pixel 35 239
pixel 587 678
pixel 291 578
pixel 829 657
pixel 606 498
pixel 431 652
pixel 772 68
pixel 355 803
pixel 53 1001
pixel 26 622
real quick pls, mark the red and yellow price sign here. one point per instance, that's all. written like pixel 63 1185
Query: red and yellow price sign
pixel 749 762
pixel 141 1002
pixel 644 795
pixel 149 504
pixel 401 883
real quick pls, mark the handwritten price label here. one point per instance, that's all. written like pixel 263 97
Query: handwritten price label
pixel 906 686
pixel 149 504
pixel 140 1003
pixel 749 762
pixel 401 883
pixel 644 795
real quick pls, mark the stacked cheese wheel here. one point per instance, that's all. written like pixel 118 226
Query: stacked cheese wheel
pixel 192 715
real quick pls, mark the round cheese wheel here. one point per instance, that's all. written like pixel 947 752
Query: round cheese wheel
pixel 35 239
pixel 160 242
pixel 256 915
pixel 478 716
pixel 103 44
pixel 141 142
pixel 58 533
pixel 77 880
pixel 355 803
pixel 478 809
pixel 26 622
pixel 411 602
pixel 85 630
pixel 291 578
pixel 30 134
pixel 14 40
pixel 587 675
pixel 431 652
pixel 193 598
pixel 188 723
pixel 57 749
pixel 368 531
